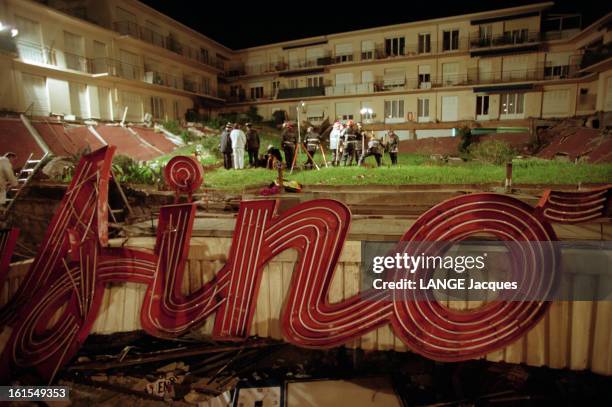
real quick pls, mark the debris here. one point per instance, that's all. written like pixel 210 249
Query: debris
pixel 455 161
pixel 99 377
pixel 174 366
pixel 57 167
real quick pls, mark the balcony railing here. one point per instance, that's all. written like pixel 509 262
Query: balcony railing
pixel 128 71
pixel 505 39
pixel 168 42
pixel 461 44
pixel 293 93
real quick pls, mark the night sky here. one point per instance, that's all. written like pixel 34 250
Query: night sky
pixel 240 24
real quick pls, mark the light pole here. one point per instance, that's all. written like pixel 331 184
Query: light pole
pixel 300 107
pixel 366 113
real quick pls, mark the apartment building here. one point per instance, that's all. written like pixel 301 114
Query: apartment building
pixel 110 59
pixel 508 64
pixel 105 60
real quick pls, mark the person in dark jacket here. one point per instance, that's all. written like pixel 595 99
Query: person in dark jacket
pixel 374 148
pixel 288 142
pixel 225 146
pixel 312 140
pixel 349 140
pixel 360 141
pixel 252 144
pixel 393 146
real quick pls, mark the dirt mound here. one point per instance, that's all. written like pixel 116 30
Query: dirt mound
pixel 450 145
pixel 576 142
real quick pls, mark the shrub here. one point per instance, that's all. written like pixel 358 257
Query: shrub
pixel 279 116
pixel 253 116
pixel 172 126
pixel 492 152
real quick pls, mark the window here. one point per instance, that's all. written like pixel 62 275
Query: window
pixel 482 105
pixel 206 89
pixel 485 31
pixel 294 83
pixel 78 100
pixel 158 109
pixel 511 104
pixel 105 103
pixel 517 36
pixel 344 53
pixel 151 33
pixel 73 52
pixel 559 71
pixel 424 43
pixel 367 50
pixel 29 42
pixel 315 81
pixel 175 107
pixel 204 55
pixel 275 86
pixel 394 109
pixel 129 65
pixel 422 109
pixel 424 76
pixel 257 92
pixel 395 46
pixel 234 90
pixel 450 40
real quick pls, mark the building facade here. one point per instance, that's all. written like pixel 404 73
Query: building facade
pixel 505 65
pixel 109 59
pixel 105 60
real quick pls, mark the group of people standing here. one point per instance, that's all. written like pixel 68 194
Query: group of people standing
pixel 233 143
pixel 348 142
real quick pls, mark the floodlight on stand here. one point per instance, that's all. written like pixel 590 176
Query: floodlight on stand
pixel 14 32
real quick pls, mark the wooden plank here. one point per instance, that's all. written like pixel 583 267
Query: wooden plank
pixel 601 361
pixel 131 305
pixel 351 287
pixel 514 352
pixel 117 305
pixel 581 320
pixel 537 351
pixel 100 325
pixel 277 295
pixel 195 275
pixel 261 319
pixel 559 328
pixel 386 338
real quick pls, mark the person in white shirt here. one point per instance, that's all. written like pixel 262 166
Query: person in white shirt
pixel 334 140
pixel 238 143
pixel 7 176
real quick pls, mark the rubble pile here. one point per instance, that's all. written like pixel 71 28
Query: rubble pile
pixel 147 371
pixel 571 142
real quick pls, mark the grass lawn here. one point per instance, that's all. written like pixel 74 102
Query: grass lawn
pixel 412 169
pixel 417 170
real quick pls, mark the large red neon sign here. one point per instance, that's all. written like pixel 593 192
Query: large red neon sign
pixel 73 267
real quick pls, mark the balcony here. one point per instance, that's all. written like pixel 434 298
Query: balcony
pixel 296 93
pixel 169 42
pixel 596 54
pixel 147 74
pixel 514 38
pixel 349 89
